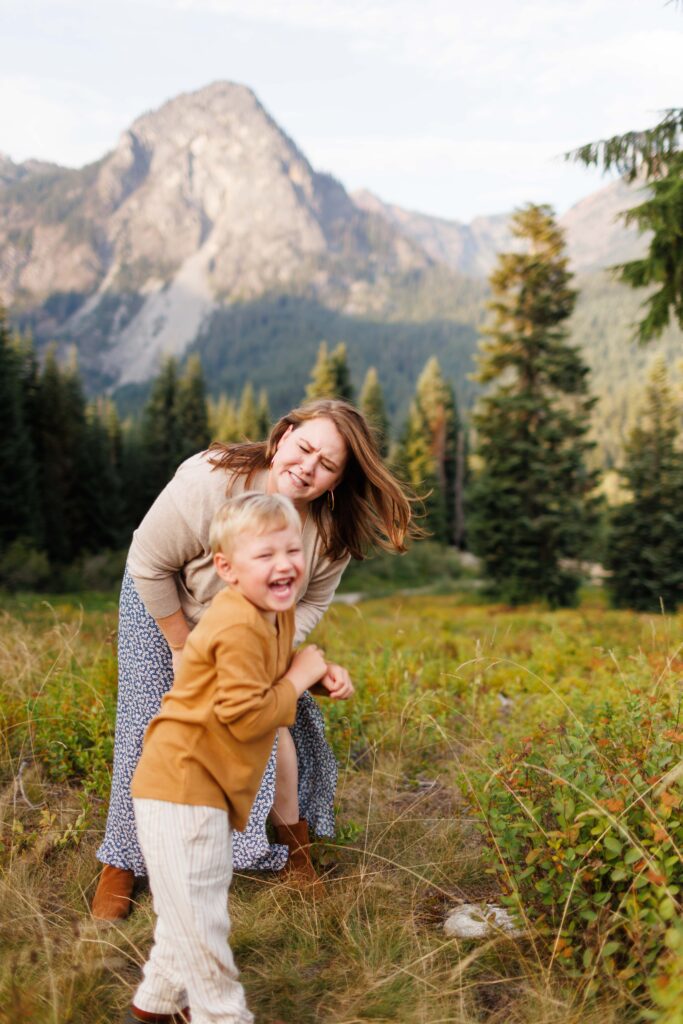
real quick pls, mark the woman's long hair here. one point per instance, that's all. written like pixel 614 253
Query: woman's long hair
pixel 371 508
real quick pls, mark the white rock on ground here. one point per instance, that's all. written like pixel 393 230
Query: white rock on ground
pixel 472 921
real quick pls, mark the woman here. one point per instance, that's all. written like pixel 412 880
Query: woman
pixel 324 457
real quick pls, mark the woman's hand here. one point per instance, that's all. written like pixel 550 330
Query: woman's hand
pixel 337 682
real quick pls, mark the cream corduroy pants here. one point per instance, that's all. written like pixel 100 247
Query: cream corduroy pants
pixel 188 852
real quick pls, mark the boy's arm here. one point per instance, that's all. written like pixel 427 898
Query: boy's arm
pixel 246 698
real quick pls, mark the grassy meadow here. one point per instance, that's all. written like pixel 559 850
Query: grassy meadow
pixel 526 757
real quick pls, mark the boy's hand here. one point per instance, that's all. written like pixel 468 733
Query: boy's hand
pixel 337 682
pixel 307 666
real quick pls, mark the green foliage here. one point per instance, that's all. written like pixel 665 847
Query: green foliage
pixel 428 450
pixel 330 376
pixel 230 421
pixel 530 503
pixel 646 532
pixel 371 404
pixel 193 420
pixel 426 566
pixel 275 341
pixel 428 672
pixel 248 415
pixel 587 830
pixel 61 441
pixel 632 153
pixel 174 426
pixel 656 155
pixel 662 214
pixel 23 567
pixel 71 728
pixel 18 494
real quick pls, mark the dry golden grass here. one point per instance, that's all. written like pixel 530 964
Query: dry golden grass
pixel 409 847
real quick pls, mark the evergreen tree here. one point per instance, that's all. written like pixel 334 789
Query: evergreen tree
pixel 429 448
pixel 530 505
pixel 654 155
pixel 224 420
pixel 249 423
pixel 646 534
pixel 162 442
pixel 18 493
pixel 133 470
pixel 193 419
pixel 414 461
pixel 322 382
pixel 263 415
pixel 373 408
pixel 330 376
pixel 342 376
pixel 61 430
pixel 99 484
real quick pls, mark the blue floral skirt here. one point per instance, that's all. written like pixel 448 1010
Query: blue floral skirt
pixel 145 675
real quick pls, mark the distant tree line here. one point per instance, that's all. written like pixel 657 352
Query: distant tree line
pixel 513 485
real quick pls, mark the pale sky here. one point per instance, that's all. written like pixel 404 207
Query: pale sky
pixel 450 107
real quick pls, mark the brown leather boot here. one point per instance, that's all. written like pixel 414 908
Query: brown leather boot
pixel 112 900
pixel 299 868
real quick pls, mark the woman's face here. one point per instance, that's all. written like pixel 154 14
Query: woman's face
pixel 309 460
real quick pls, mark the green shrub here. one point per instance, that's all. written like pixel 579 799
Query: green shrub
pixel 586 824
pixel 72 727
pixel 23 567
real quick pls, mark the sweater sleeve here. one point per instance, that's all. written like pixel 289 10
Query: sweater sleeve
pixel 174 532
pixel 319 593
pixel 246 700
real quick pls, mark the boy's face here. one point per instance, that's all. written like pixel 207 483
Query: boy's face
pixel 267 568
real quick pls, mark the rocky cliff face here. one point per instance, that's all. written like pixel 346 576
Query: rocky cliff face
pixel 203 202
pixel 596 236
pixel 206 206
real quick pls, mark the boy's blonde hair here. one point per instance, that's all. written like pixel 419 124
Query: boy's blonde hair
pixel 250 512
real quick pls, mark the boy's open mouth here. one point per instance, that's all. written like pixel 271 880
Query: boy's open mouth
pixel 282 586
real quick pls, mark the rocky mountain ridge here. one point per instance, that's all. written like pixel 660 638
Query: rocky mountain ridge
pixel 596 235
pixel 203 203
pixel 206 218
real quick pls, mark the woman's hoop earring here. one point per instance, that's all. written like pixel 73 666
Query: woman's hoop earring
pixel 330 500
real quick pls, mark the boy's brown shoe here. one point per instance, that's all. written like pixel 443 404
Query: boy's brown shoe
pixel 298 870
pixel 113 897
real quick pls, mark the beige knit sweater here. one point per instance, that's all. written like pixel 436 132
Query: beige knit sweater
pixel 172 565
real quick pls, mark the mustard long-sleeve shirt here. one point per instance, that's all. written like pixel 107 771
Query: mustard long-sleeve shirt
pixel 210 743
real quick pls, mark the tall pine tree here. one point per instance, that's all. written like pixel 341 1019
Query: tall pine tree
pixel 330 377
pixel 161 435
pixel 373 408
pixel 530 506
pixel 193 419
pixel 61 435
pixel 18 493
pixel 249 424
pixel 428 449
pixel 263 415
pixel 646 534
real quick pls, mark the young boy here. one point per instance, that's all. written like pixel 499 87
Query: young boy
pixel 205 753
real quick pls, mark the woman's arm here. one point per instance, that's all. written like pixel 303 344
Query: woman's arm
pixel 318 595
pixel 176 631
pixel 174 532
